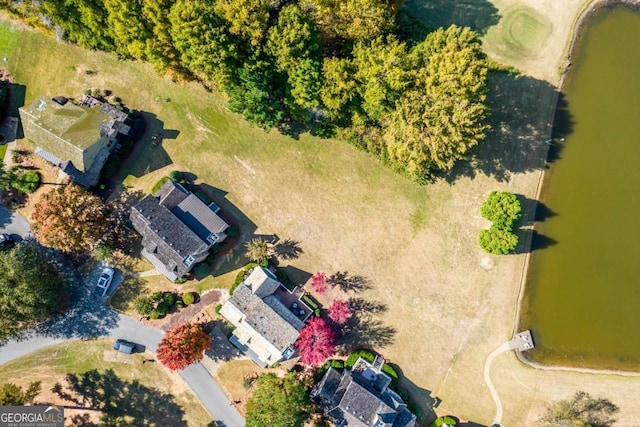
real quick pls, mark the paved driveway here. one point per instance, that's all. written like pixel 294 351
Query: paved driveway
pixel 13 224
pixel 90 317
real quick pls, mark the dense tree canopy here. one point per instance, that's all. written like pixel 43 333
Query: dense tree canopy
pixel 278 402
pixel 334 65
pixel 70 219
pixel 31 290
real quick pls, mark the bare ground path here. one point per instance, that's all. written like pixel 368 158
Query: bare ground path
pixel 487 379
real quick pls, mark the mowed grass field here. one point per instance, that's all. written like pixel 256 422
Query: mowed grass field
pixel 157 386
pixel 448 304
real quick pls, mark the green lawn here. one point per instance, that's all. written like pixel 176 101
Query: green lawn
pixel 162 394
pixel 444 300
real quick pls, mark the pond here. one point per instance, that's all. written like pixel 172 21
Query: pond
pixel 582 298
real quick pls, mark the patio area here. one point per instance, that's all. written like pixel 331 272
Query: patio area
pixel 293 303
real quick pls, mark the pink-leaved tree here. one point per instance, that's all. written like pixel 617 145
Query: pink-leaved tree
pixel 319 283
pixel 339 311
pixel 316 342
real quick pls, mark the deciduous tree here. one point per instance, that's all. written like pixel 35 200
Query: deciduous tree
pixel 319 283
pixel 160 49
pixel 278 402
pixel 247 18
pixel 203 40
pixel 13 395
pixel 316 342
pixel 502 208
pixel 354 20
pixel 339 311
pixel 130 29
pixel 183 345
pixel 293 39
pixel 498 241
pixel 580 411
pixel 31 290
pixel 70 219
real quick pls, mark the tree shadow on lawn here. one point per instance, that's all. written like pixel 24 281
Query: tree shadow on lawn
pixel 230 256
pixel 529 239
pixel 363 329
pixel 479 15
pixel 148 153
pixel 120 401
pixel 522 137
pixel 288 249
pixel 349 282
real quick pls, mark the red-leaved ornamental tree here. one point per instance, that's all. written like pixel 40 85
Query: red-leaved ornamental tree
pixel 339 311
pixel 319 283
pixel 316 342
pixel 183 345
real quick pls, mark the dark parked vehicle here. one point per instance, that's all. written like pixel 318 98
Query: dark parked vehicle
pixel 125 346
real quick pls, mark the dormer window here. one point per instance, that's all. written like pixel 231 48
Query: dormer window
pixel 188 260
pixel 213 238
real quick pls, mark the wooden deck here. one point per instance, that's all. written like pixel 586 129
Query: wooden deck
pixel 523 341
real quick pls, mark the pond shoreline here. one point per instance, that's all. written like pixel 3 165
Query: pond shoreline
pixel 579 26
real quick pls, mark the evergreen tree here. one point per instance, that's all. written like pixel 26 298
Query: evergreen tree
pixel 443 116
pixel 31 290
pixel 130 29
pixel 203 41
pixel 160 49
pixel 247 19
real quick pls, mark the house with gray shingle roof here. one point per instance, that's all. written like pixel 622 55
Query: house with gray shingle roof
pixel 266 329
pixel 76 137
pixel 177 229
pixel 361 397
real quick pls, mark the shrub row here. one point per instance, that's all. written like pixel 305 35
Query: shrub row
pixel 164 300
pixel 240 276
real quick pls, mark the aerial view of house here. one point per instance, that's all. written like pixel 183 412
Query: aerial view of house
pixel 78 137
pixel 361 397
pixel 266 328
pixel 177 229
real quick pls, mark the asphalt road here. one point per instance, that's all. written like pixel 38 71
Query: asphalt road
pixel 90 317
pixel 13 224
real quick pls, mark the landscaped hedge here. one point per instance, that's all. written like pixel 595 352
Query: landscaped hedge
pixel 188 298
pixel 156 296
pixel 201 270
pixel 312 303
pixel 240 276
pixel 169 299
pixel 162 309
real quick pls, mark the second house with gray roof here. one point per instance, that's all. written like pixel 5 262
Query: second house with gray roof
pixel 177 229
